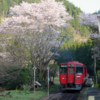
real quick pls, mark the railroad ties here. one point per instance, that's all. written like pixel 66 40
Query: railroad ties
pixel 64 96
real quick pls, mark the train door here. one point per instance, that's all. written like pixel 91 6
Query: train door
pixel 63 74
pixel 71 74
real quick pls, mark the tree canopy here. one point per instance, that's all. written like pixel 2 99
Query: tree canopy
pixel 70 8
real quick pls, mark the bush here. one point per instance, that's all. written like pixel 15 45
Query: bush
pixel 96 85
pixel 98 75
pixel 22 78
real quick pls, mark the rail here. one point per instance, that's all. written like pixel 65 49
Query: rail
pixel 64 96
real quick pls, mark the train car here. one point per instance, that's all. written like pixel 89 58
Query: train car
pixel 72 75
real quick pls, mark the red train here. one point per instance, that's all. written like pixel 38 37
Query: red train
pixel 72 75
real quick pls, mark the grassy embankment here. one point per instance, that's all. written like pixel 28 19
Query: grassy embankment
pixel 29 95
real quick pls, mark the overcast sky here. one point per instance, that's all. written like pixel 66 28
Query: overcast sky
pixel 87 6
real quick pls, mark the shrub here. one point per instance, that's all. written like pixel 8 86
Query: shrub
pixel 98 75
pixel 22 78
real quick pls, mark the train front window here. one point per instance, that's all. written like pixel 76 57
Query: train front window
pixel 79 69
pixel 63 69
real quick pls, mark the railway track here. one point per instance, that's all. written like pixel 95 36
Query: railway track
pixel 69 96
pixel 64 96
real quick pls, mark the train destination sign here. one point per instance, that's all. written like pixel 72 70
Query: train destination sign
pixel 71 65
pixel 63 65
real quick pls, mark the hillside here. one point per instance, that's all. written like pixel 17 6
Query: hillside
pixel 75 29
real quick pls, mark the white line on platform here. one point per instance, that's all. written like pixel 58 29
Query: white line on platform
pixel 91 98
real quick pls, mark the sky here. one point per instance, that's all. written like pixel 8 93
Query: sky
pixel 87 6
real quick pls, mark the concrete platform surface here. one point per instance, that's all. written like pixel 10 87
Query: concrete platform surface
pixel 89 93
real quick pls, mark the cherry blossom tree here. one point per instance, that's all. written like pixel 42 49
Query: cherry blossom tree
pixel 90 20
pixel 34 31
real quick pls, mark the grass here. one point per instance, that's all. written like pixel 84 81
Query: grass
pixel 29 95
pixel 16 95
pixel 56 84
pixel 96 85
pixel 53 87
pixel 56 80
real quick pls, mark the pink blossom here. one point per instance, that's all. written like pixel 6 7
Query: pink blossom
pixel 88 19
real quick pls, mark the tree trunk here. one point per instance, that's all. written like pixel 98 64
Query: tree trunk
pixel 95 69
pixel 53 78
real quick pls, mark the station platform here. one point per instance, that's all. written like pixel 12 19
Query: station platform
pixel 89 93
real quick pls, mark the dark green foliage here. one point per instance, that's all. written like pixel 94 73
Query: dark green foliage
pixel 68 32
pixel 40 78
pixel 77 51
pixel 98 71
pixel 23 76
pixel 98 74
pixel 53 70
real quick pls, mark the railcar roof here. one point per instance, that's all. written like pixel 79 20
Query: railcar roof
pixel 72 62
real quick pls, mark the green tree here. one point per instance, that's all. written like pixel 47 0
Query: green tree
pixel 5 7
pixel 79 51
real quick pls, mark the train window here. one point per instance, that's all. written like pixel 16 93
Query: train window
pixel 63 70
pixel 71 70
pixel 79 70
pixel 78 65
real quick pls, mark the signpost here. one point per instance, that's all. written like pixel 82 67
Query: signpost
pixel 48 79
pixel 34 68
